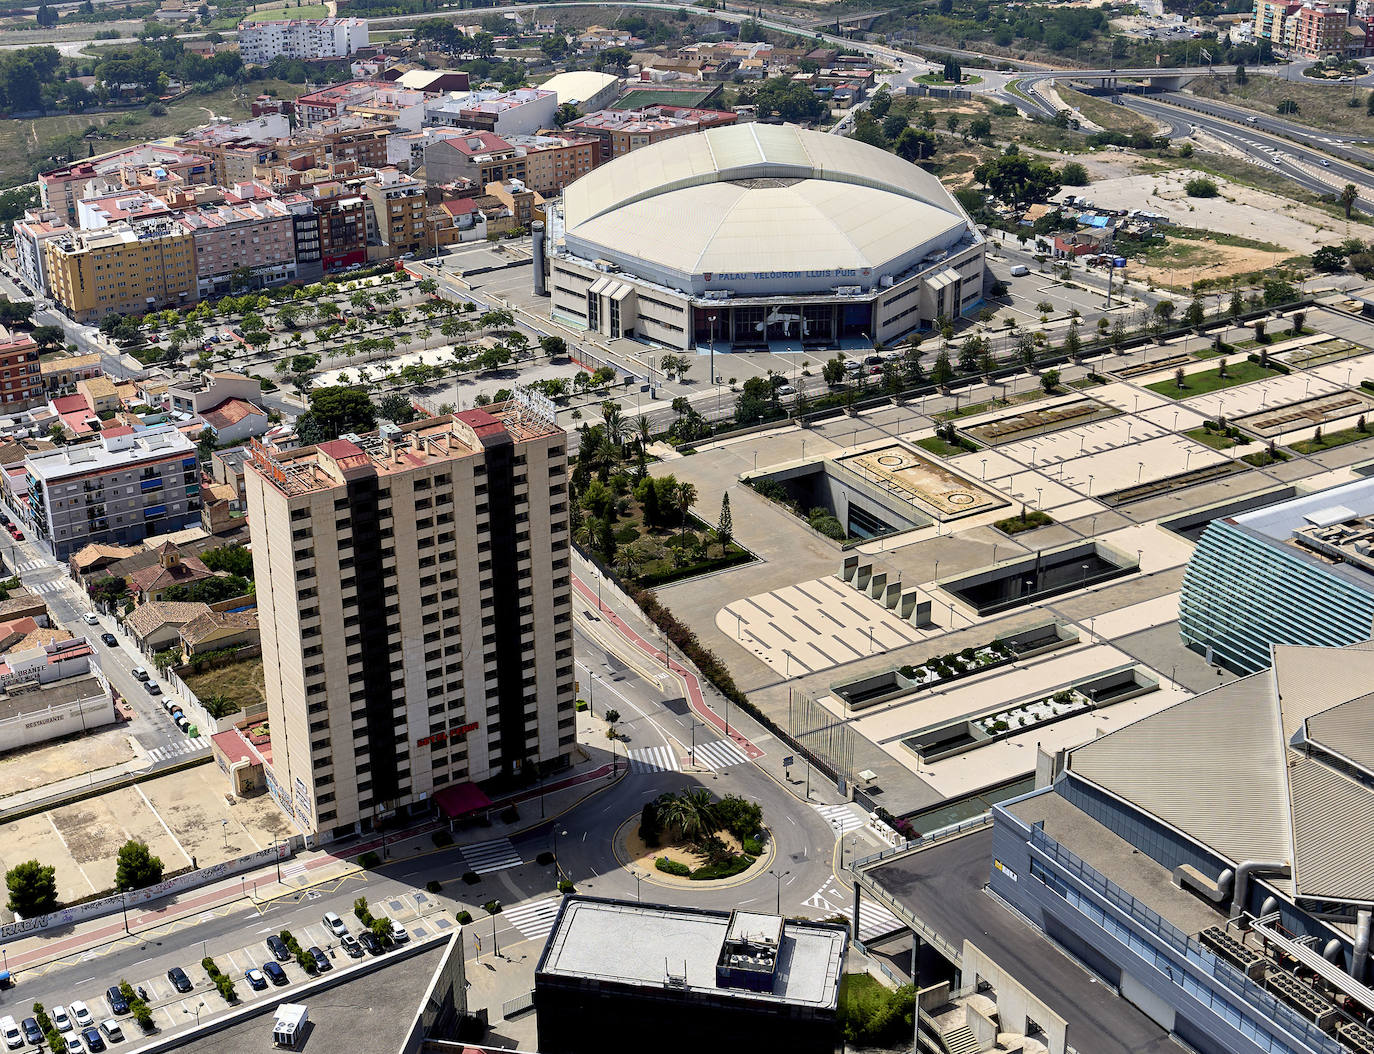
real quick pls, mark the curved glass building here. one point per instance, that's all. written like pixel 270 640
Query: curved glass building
pixel 1297 572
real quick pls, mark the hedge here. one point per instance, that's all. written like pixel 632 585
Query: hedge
pixel 672 867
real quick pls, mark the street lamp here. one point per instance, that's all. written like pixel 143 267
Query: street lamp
pixel 779 875
pixel 557 866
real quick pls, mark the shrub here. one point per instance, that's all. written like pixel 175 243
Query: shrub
pixel 723 869
pixel 464 917
pixel 752 846
pixel 441 839
pixel 368 861
pixel 739 816
pixel 208 965
pixel 492 907
pixel 142 1015
pixel 565 886
pixel 872 1014
pixel 1200 187
pixel 672 867
pixel 434 886
pixel 650 830
pixel 471 877
pixel 361 911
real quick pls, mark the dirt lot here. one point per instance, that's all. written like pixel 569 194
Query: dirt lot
pixel 1320 105
pixel 81 841
pixel 43 765
pixel 1238 210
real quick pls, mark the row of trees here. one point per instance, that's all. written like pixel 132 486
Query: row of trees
pixel 32 885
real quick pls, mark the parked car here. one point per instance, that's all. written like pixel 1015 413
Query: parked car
pixel 351 946
pixel 321 960
pixel 255 979
pixel 179 980
pixel 73 1044
pixel 109 640
pixel 274 972
pixel 93 1041
pixel 278 948
pixel 16 534
pixel 61 1019
pixel 786 389
pixel 369 940
pixel 140 674
pixel 118 1004
pixel 90 619
pixel 398 932
pixel 32 1033
pixel 80 1014
pixel 152 687
pixel 183 722
pixel 9 1031
pixel 112 1031
pixel 335 925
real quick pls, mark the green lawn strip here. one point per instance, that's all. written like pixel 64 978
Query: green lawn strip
pixel 1240 372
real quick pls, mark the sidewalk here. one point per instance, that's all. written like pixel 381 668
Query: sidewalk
pixel 744 730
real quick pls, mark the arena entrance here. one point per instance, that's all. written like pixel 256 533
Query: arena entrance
pixel 780 327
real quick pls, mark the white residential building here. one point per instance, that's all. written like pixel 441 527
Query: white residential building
pixel 301 38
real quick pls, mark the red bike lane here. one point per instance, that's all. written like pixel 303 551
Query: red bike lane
pixel 695 699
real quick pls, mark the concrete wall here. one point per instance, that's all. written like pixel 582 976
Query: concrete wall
pixel 1016 1007
pixel 52 722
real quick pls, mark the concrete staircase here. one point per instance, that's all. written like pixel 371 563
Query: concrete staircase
pixel 960 1041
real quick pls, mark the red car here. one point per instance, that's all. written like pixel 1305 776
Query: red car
pixel 16 534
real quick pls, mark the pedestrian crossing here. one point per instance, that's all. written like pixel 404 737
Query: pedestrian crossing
pixel 179 748
pixel 653 759
pixel 292 868
pixel 842 818
pixel 30 565
pixel 535 919
pixel 486 857
pixel 875 920
pixel 720 754
pixel 47 587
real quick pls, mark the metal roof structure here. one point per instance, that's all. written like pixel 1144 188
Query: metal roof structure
pixel 1263 768
pixel 761 202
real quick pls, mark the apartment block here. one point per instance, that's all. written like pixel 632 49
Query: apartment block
pixel 253 235
pixel 370 100
pixel 129 268
pixel 30 234
pixel 621 131
pixel 519 112
pixel 120 489
pixel 546 163
pixel 398 203
pixel 554 161
pixel 414 592
pixel 301 38
pixel 21 374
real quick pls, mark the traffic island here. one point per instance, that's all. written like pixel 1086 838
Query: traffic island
pixel 689 838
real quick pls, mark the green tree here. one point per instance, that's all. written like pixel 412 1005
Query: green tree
pixel 942 372
pixel 32 888
pixel 337 409
pixel 1349 195
pixel 1015 178
pixel 136 867
pixel 1330 258
pixel 231 559
pixel 1195 314
pixel 980 128
pixel 397 408
pixel 1049 381
pixel 1073 345
pixel 832 372
pixel 1236 308
pixel 1241 76
pixel 725 525
pixel 1073 174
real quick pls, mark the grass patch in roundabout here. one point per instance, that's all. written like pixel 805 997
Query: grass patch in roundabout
pixel 692 836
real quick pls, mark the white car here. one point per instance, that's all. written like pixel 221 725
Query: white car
pixel 398 932
pixel 112 1031
pixel 335 925
pixel 80 1014
pixel 73 1045
pixel 61 1019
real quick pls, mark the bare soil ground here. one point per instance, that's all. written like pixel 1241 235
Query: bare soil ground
pixel 49 763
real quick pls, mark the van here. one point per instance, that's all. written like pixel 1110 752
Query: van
pixel 1020 271
pixel 9 1029
pixel 140 674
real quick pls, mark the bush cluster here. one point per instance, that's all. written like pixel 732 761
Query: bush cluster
pixel 672 867
pixel 464 917
pixel 368 861
pixel 492 907
pixel 138 1008
pixel 222 982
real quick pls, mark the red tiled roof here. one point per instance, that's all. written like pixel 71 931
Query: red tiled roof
pixel 69 404
pixel 233 746
pixel 230 412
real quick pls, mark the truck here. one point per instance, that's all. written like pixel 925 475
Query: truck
pixel 289 1029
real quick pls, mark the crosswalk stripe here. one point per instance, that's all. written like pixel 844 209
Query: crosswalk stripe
pixel 178 747
pixel 535 919
pixel 47 587
pixel 653 759
pixel 843 818
pixel 496 855
pixel 874 919
pixel 720 754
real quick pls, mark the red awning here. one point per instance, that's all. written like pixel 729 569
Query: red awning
pixel 462 799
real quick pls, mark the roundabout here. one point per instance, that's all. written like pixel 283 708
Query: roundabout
pixel 638 859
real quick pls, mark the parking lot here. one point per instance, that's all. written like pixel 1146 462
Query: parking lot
pixel 418 912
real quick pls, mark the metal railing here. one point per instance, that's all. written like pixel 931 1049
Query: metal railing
pixel 925 841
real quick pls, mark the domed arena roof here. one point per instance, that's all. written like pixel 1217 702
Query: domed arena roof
pixel 763 205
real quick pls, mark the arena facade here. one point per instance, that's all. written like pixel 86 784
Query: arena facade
pixel 756 235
